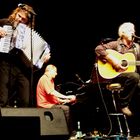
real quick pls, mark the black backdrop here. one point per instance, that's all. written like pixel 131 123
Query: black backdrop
pixel 74 28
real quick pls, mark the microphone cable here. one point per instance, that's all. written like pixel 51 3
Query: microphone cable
pixel 102 98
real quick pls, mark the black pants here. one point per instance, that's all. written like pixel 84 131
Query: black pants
pixel 13 80
pixel 68 116
pixel 129 81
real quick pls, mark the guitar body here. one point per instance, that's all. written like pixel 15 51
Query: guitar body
pixel 108 72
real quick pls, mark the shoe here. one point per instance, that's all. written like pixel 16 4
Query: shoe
pixel 126 111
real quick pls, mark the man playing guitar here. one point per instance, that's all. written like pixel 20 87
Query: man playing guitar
pixel 114 63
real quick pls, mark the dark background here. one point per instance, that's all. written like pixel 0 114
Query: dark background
pixel 73 29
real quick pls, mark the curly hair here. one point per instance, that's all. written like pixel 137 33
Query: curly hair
pixel 27 10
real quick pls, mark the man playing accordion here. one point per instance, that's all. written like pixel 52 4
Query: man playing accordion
pixel 13 74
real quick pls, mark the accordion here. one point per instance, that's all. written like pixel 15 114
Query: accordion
pixel 28 42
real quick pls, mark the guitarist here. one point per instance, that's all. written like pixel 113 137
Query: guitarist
pixel 124 44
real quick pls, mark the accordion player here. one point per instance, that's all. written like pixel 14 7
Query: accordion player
pixel 29 45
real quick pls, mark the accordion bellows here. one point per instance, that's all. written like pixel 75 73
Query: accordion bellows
pixel 29 41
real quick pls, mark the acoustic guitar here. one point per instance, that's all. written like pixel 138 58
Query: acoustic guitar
pixel 127 60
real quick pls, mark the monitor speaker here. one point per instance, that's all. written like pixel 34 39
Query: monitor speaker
pixel 33 122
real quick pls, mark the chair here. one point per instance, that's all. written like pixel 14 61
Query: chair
pixel 115 89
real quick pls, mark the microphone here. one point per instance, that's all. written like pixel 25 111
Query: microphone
pixel 136 36
pixel 21 5
pixel 79 79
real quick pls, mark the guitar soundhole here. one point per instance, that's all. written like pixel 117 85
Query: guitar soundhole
pixel 124 63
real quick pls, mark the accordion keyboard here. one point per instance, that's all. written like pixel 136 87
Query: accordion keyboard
pixel 6 41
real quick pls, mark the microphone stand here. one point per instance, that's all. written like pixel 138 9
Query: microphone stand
pixel 82 82
pixel 31 76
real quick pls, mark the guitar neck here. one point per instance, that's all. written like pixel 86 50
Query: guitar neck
pixel 137 63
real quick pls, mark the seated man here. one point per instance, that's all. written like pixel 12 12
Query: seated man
pixel 48 97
